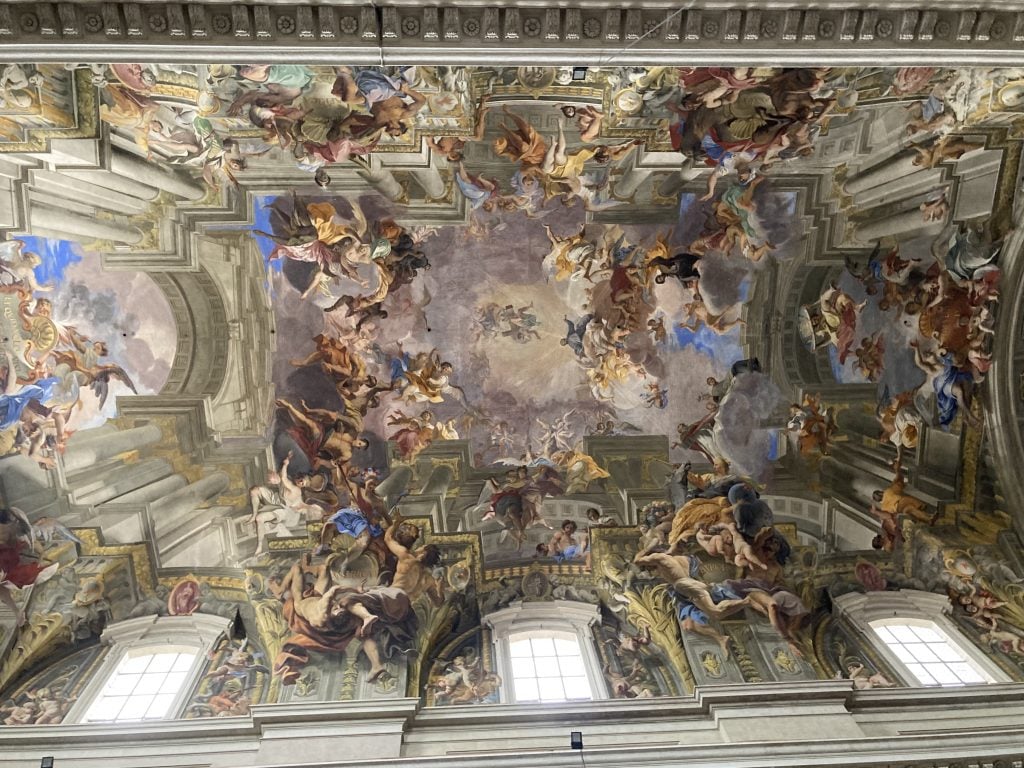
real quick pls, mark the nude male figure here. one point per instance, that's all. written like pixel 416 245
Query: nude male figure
pixel 675 569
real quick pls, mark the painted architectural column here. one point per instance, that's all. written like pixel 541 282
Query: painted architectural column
pixel 80 456
pixel 629 182
pixel 880 174
pixel 153 491
pixel 168 510
pixel 383 181
pixel 437 482
pixel 115 182
pixel 74 226
pixel 913 183
pixel 133 167
pixel 116 481
pixel 673 183
pixel 430 179
pixel 396 482
pixel 899 225
pixel 52 183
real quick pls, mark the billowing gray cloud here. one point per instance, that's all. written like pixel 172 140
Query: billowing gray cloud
pixel 739 432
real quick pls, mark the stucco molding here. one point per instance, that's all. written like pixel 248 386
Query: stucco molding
pixel 1005 384
pixel 151 634
pixel 863 609
pixel 558 616
pixel 279 728
pixel 587 33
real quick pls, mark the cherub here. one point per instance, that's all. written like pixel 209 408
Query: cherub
pixel 628 685
pixel 863 680
pixel 656 327
pixel 588 119
pixel 980 605
pixel 237 663
pixel 723 539
pixel 632 644
pixel 1007 642
pixel 20 265
pixel 51 706
pixel 871 356
pixel 452 147
pixel 698 314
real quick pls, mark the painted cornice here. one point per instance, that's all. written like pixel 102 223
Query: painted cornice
pixel 584 33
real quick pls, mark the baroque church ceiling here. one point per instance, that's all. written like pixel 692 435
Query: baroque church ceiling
pixel 449 338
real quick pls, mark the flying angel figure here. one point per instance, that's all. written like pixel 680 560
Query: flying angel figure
pixel 574 334
pixel 84 361
pixel 428 379
pixel 515 502
pixel 221 158
pixel 20 265
pixel 556 436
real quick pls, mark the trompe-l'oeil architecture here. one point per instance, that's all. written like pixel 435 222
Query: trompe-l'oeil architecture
pixel 452 379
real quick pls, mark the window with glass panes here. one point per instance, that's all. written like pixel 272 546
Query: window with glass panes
pixel 548 667
pixel 141 688
pixel 928 654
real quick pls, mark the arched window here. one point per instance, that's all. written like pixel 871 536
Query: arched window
pixel 544 652
pixel 151 668
pixel 913 633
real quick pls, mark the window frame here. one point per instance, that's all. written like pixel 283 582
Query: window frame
pixel 146 635
pixel 910 606
pixel 556 618
pixel 965 657
pixel 528 635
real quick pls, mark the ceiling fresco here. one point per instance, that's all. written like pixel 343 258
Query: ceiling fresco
pixel 357 356
pixel 74 335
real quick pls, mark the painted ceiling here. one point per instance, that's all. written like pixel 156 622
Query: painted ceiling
pixel 584 326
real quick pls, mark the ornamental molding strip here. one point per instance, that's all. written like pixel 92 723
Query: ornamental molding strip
pixel 587 33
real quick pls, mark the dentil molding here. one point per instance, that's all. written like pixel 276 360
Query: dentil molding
pixel 523 32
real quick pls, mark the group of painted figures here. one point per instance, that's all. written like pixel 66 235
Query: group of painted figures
pixel 48 365
pixel 371 576
pixel 948 306
pixel 742 122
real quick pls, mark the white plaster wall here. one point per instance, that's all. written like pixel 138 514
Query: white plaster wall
pixel 799 724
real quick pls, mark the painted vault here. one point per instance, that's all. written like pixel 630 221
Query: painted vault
pixel 356 356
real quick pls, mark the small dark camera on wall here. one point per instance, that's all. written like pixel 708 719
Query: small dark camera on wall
pixel 576 739
pixel 46 762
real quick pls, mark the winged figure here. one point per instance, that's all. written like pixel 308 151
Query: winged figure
pixel 84 361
